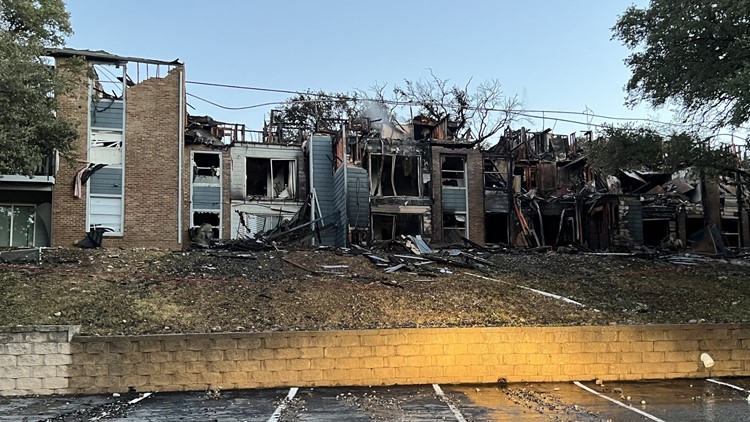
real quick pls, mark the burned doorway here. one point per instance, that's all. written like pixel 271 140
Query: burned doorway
pixel 206 191
pixel 391 226
pixel 655 231
pixel 496 228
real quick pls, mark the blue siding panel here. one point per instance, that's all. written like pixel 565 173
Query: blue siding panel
pixel 206 197
pixel 358 197
pixel 107 114
pixel 339 203
pixel 106 181
pixel 321 161
pixel 454 200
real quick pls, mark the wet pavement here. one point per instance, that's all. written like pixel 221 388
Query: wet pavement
pixel 724 400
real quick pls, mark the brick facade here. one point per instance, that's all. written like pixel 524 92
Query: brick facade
pixel 475 192
pixel 152 139
pixel 68 212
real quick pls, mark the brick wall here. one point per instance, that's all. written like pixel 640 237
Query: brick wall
pixel 152 139
pixel 408 356
pixel 475 189
pixel 35 360
pixel 68 212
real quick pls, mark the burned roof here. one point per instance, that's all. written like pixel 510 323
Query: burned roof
pixel 103 56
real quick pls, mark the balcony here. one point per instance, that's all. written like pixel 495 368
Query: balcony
pixel 44 174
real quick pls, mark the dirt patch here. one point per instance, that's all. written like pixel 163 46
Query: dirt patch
pixel 111 291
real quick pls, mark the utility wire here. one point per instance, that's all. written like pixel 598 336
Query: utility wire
pixel 413 103
pixel 523 113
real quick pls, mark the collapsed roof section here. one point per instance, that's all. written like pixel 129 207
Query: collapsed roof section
pixel 204 130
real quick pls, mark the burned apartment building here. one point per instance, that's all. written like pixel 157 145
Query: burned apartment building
pixel 128 112
pixel 268 185
pixel 422 181
pixel 148 174
pixel 144 172
pixel 558 199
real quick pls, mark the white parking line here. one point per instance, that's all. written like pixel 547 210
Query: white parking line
pixel 726 384
pixel 454 409
pixel 136 400
pixel 619 403
pixel 277 414
pixel 543 293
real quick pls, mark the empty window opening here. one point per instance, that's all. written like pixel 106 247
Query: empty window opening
pixel 270 178
pixel 391 226
pixel 655 231
pixel 454 227
pixel 106 147
pixel 383 226
pixel 693 225
pixel 453 171
pixel 731 231
pixel 493 178
pixel 206 168
pixel 17 224
pixel 395 175
pixel 212 218
pixel 496 228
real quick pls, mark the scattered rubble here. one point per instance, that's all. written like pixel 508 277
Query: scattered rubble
pixel 154 291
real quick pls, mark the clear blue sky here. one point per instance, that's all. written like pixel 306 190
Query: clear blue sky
pixel 555 55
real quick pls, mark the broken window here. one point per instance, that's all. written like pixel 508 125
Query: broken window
pixel 454 227
pixel 493 178
pixel 106 142
pixel 271 178
pixel 390 226
pixel 205 191
pixel 206 168
pixel 211 218
pixel 453 171
pixel 395 175
pixel 17 225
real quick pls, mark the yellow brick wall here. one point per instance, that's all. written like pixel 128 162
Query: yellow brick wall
pixel 35 359
pixel 407 356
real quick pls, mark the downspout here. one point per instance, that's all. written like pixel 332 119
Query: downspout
pixel 181 141
pixel 311 184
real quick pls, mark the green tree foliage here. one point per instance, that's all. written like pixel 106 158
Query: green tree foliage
pixel 29 131
pixel 310 112
pixel 694 53
pixel 643 148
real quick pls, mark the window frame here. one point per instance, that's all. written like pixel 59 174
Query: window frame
pixel 10 237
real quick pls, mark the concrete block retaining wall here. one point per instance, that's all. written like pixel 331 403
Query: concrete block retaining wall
pixel 35 359
pixel 400 356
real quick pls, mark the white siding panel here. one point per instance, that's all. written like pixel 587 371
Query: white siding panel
pixel 105 212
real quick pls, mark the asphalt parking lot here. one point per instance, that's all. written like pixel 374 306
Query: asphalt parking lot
pixel 723 400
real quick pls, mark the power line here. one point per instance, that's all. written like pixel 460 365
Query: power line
pixel 523 113
pixel 226 107
pixel 413 103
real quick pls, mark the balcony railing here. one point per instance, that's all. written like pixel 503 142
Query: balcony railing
pixel 44 173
